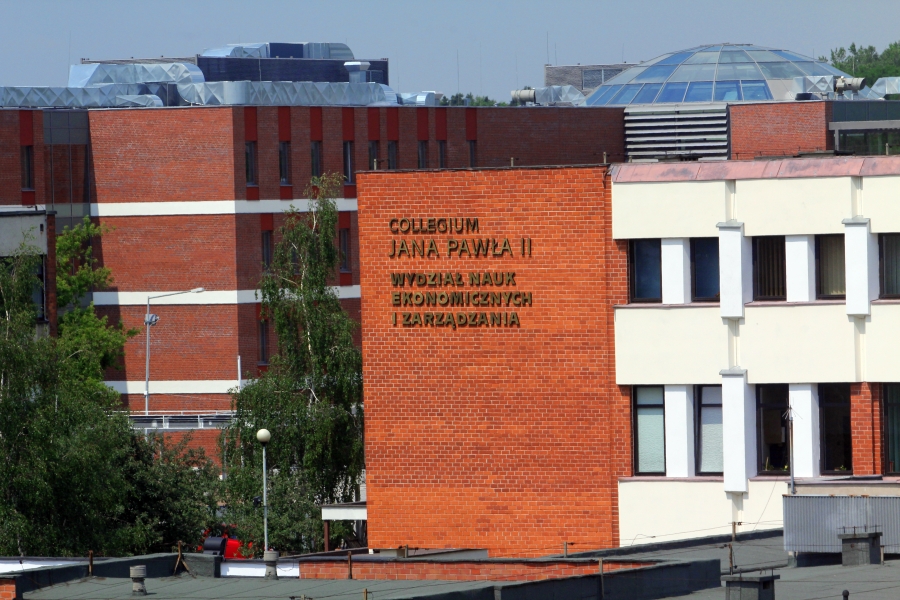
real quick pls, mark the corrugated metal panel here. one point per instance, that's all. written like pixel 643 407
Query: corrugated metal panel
pixel 812 523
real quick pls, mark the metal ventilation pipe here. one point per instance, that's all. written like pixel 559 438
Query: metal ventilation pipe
pixel 523 95
pixel 138 573
pixel 270 558
pixel 848 84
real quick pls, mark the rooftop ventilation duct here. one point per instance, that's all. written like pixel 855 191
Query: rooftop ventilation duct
pixel 813 84
pixel 357 70
pixel 848 84
pixel 97 74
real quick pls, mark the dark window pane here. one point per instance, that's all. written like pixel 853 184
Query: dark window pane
pixel 892 427
pixel 442 154
pixel 705 255
pixel 250 162
pixel 646 274
pixel 345 249
pixel 423 155
pixel 774 451
pixel 834 403
pixel 373 155
pixel 349 177
pixel 890 264
pixel 769 280
pixel 316 159
pixel 263 343
pixel 473 157
pixel 699 91
pixel 830 266
pixel 284 162
pixel 392 155
pixel 267 249
pixel 27 167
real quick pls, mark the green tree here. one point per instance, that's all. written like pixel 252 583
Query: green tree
pixel 865 61
pixel 459 100
pixel 74 476
pixel 310 398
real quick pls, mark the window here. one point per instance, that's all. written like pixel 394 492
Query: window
pixel 250 160
pixel 834 418
pixel 423 155
pixel 27 167
pixel 710 459
pixel 344 239
pixel 646 271
pixel 267 249
pixel 771 411
pixel 348 163
pixel 373 155
pixel 473 159
pixel 284 162
pixel 316 159
pixel 442 154
pixel 892 427
pixel 649 427
pixel 705 269
pixel 830 282
pixel 263 342
pixel 769 280
pixel 392 155
pixel 890 266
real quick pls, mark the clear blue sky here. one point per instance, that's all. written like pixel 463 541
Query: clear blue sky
pixel 501 44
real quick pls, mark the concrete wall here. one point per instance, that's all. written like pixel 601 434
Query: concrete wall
pixel 693 508
pixel 670 345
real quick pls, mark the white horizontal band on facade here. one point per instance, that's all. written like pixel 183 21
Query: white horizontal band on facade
pixel 199 386
pixel 208 207
pixel 344 292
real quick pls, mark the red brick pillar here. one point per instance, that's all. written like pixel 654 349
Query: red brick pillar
pixel 865 426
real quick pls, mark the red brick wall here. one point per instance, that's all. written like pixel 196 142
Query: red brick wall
pixel 779 129
pixel 177 252
pixel 7 589
pixel 10 158
pixel 169 154
pixel 505 438
pixel 458 570
pixel 865 428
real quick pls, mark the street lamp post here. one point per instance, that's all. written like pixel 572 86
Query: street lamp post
pixel 149 321
pixel 264 436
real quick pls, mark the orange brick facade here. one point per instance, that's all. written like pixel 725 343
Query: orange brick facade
pixel 779 129
pixel 509 438
pixel 412 570
pixel 866 429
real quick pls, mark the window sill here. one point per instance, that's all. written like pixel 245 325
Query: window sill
pixel 786 303
pixel 662 478
pixel 639 305
pixel 886 301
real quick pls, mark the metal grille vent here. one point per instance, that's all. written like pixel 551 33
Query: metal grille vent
pixel 676 131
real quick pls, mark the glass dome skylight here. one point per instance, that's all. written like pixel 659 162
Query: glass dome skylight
pixel 719 73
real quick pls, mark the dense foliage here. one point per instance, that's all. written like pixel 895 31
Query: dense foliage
pixel 310 398
pixel 867 62
pixel 74 476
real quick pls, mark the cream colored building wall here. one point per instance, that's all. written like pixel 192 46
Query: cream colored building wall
pixel 670 345
pixel 811 343
pixel 663 511
pixel 881 203
pixel 793 206
pixel 882 332
pixel 668 210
